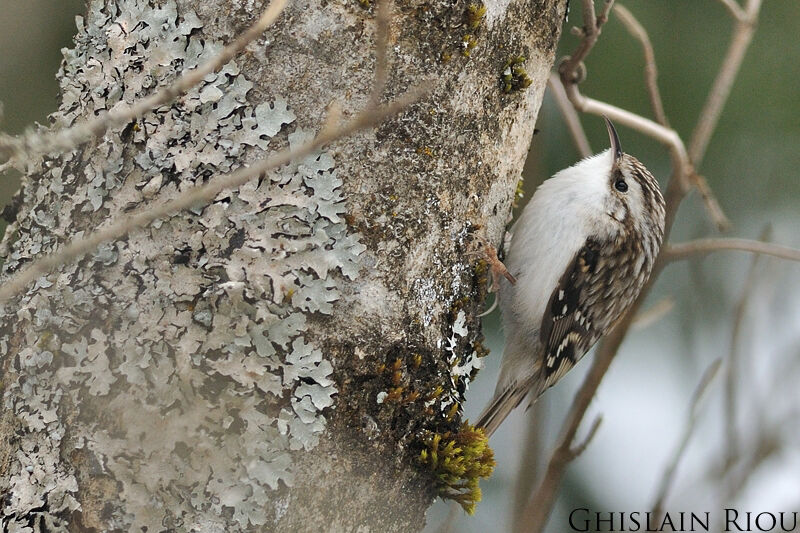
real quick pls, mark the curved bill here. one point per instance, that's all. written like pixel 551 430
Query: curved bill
pixel 613 138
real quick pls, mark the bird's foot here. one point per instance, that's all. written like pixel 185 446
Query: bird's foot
pixel 496 267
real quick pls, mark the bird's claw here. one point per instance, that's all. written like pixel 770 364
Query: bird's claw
pixel 496 267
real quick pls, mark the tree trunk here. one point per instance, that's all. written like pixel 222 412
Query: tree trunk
pixel 276 360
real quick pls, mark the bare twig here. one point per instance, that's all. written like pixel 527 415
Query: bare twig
pixel 768 443
pixel 382 20
pixel 571 118
pixel 571 68
pixel 650 69
pixel 571 73
pixel 732 437
pixel 683 168
pixel 668 478
pixel 199 195
pixel 529 468
pixel 734 9
pixel 64 140
pixel 579 448
pixel 699 247
pixel 603 17
pixel 710 201
pixel 656 312
pixel 742 35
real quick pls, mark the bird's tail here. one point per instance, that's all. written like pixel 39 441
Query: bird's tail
pixel 501 406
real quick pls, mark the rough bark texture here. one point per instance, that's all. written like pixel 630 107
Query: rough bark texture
pixel 271 361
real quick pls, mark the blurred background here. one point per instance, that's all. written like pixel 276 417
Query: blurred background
pixel 752 166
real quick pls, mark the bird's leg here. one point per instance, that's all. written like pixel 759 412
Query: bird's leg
pixel 496 267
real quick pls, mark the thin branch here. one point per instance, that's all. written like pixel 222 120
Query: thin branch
pixel 684 170
pixel 68 139
pixel 656 312
pixel 710 201
pixel 732 437
pixel 734 9
pixel 699 247
pixel 603 17
pixel 742 35
pixel 382 20
pixel 650 70
pixel 199 195
pixel 668 479
pixel 571 118
pixel 571 68
pixel 529 468
pixel 579 448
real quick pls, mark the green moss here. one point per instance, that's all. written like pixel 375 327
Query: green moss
pixel 468 42
pixel 480 349
pixel 474 15
pixel 519 193
pixel 481 272
pixel 513 77
pixel 459 305
pixel 459 460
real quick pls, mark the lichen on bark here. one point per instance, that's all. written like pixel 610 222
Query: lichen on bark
pixel 273 359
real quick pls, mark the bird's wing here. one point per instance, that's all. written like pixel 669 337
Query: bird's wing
pixel 569 327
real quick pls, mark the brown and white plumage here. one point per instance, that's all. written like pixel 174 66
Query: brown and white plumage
pixel 581 251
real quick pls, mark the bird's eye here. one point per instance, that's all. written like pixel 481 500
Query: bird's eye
pixel 620 185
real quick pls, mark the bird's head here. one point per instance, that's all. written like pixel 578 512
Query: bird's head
pixel 633 198
pixel 612 192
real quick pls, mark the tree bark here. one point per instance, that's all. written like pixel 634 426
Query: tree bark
pixel 273 360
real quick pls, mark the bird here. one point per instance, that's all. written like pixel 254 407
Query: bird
pixel 580 253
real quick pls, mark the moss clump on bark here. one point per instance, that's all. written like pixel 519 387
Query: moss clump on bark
pixel 513 77
pixel 459 460
pixel 474 15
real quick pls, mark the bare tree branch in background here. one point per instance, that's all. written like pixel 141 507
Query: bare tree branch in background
pixel 651 82
pixel 653 314
pixel 529 467
pixel 541 502
pixel 571 118
pixel 744 28
pixel 734 359
pixel 700 247
pixel 668 479
pixel 650 70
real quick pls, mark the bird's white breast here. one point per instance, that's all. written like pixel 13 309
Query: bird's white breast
pixel 553 226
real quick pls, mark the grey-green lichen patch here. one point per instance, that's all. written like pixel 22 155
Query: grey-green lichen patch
pixel 184 355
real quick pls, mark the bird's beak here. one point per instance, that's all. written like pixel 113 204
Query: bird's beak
pixel 613 138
